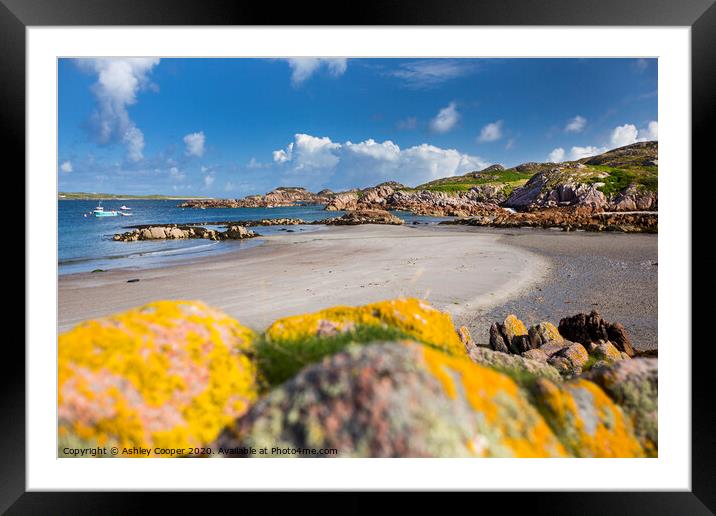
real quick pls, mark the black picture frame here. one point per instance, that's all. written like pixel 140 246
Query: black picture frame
pixel 700 15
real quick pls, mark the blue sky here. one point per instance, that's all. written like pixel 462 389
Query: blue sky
pixel 234 127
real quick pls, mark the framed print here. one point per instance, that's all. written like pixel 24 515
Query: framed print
pixel 438 247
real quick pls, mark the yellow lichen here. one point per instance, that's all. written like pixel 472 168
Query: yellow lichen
pixel 414 317
pixel 169 374
pixel 587 420
pixel 499 401
pixel 513 326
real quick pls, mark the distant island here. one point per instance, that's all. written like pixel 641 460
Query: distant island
pixel 86 196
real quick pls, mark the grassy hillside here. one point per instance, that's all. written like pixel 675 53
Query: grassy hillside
pixel 612 171
pixel 511 178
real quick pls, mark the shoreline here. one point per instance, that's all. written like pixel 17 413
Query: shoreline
pixel 296 273
pixel 477 274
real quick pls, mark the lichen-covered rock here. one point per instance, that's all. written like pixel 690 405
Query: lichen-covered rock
pixel 512 327
pixel 510 336
pixel 586 420
pixel 464 334
pixel 536 354
pixel 169 374
pixel 415 318
pixel 514 363
pixel 607 352
pixel 570 360
pixel 395 400
pixel 544 333
pixel 634 385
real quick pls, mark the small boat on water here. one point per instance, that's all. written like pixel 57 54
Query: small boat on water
pixel 123 207
pixel 99 212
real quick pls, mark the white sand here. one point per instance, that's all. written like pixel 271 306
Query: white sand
pixel 296 273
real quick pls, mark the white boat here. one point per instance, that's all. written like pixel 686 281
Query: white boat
pixel 125 207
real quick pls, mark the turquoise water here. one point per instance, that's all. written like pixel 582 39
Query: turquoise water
pixel 85 242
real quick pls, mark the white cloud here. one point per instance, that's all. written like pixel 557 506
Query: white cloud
pixel 556 156
pixel 576 124
pixel 66 166
pixel 195 144
pixel 319 163
pixel 652 131
pixel 282 156
pixel 208 180
pixel 628 133
pixel 303 67
pixel 446 119
pixel 118 82
pixel 624 135
pixel 585 152
pixel 491 132
pixel 428 73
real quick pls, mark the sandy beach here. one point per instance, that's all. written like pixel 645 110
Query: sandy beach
pixel 296 273
pixel 478 275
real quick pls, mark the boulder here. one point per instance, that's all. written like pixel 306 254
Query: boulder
pixel 515 364
pixel 633 385
pixel 510 336
pixel 544 333
pixel 586 328
pixel 585 419
pixel 569 360
pixel 393 400
pixel 169 374
pixel 606 351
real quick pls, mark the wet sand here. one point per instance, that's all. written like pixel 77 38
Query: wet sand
pixel 613 273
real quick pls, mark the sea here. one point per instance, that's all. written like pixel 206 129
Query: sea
pixel 85 242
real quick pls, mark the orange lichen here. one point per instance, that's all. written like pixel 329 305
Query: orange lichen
pixel 514 326
pixel 414 317
pixel 586 419
pixel 503 407
pixel 171 373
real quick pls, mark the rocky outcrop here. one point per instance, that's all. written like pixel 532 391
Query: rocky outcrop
pixel 634 198
pixel 353 218
pixel 282 196
pixel 564 185
pixel 176 232
pixel 343 201
pixel 581 341
pixel 568 219
pixel 590 328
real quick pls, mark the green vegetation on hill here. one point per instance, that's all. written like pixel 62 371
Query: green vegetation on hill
pixel 102 196
pixel 619 178
pixel 511 178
